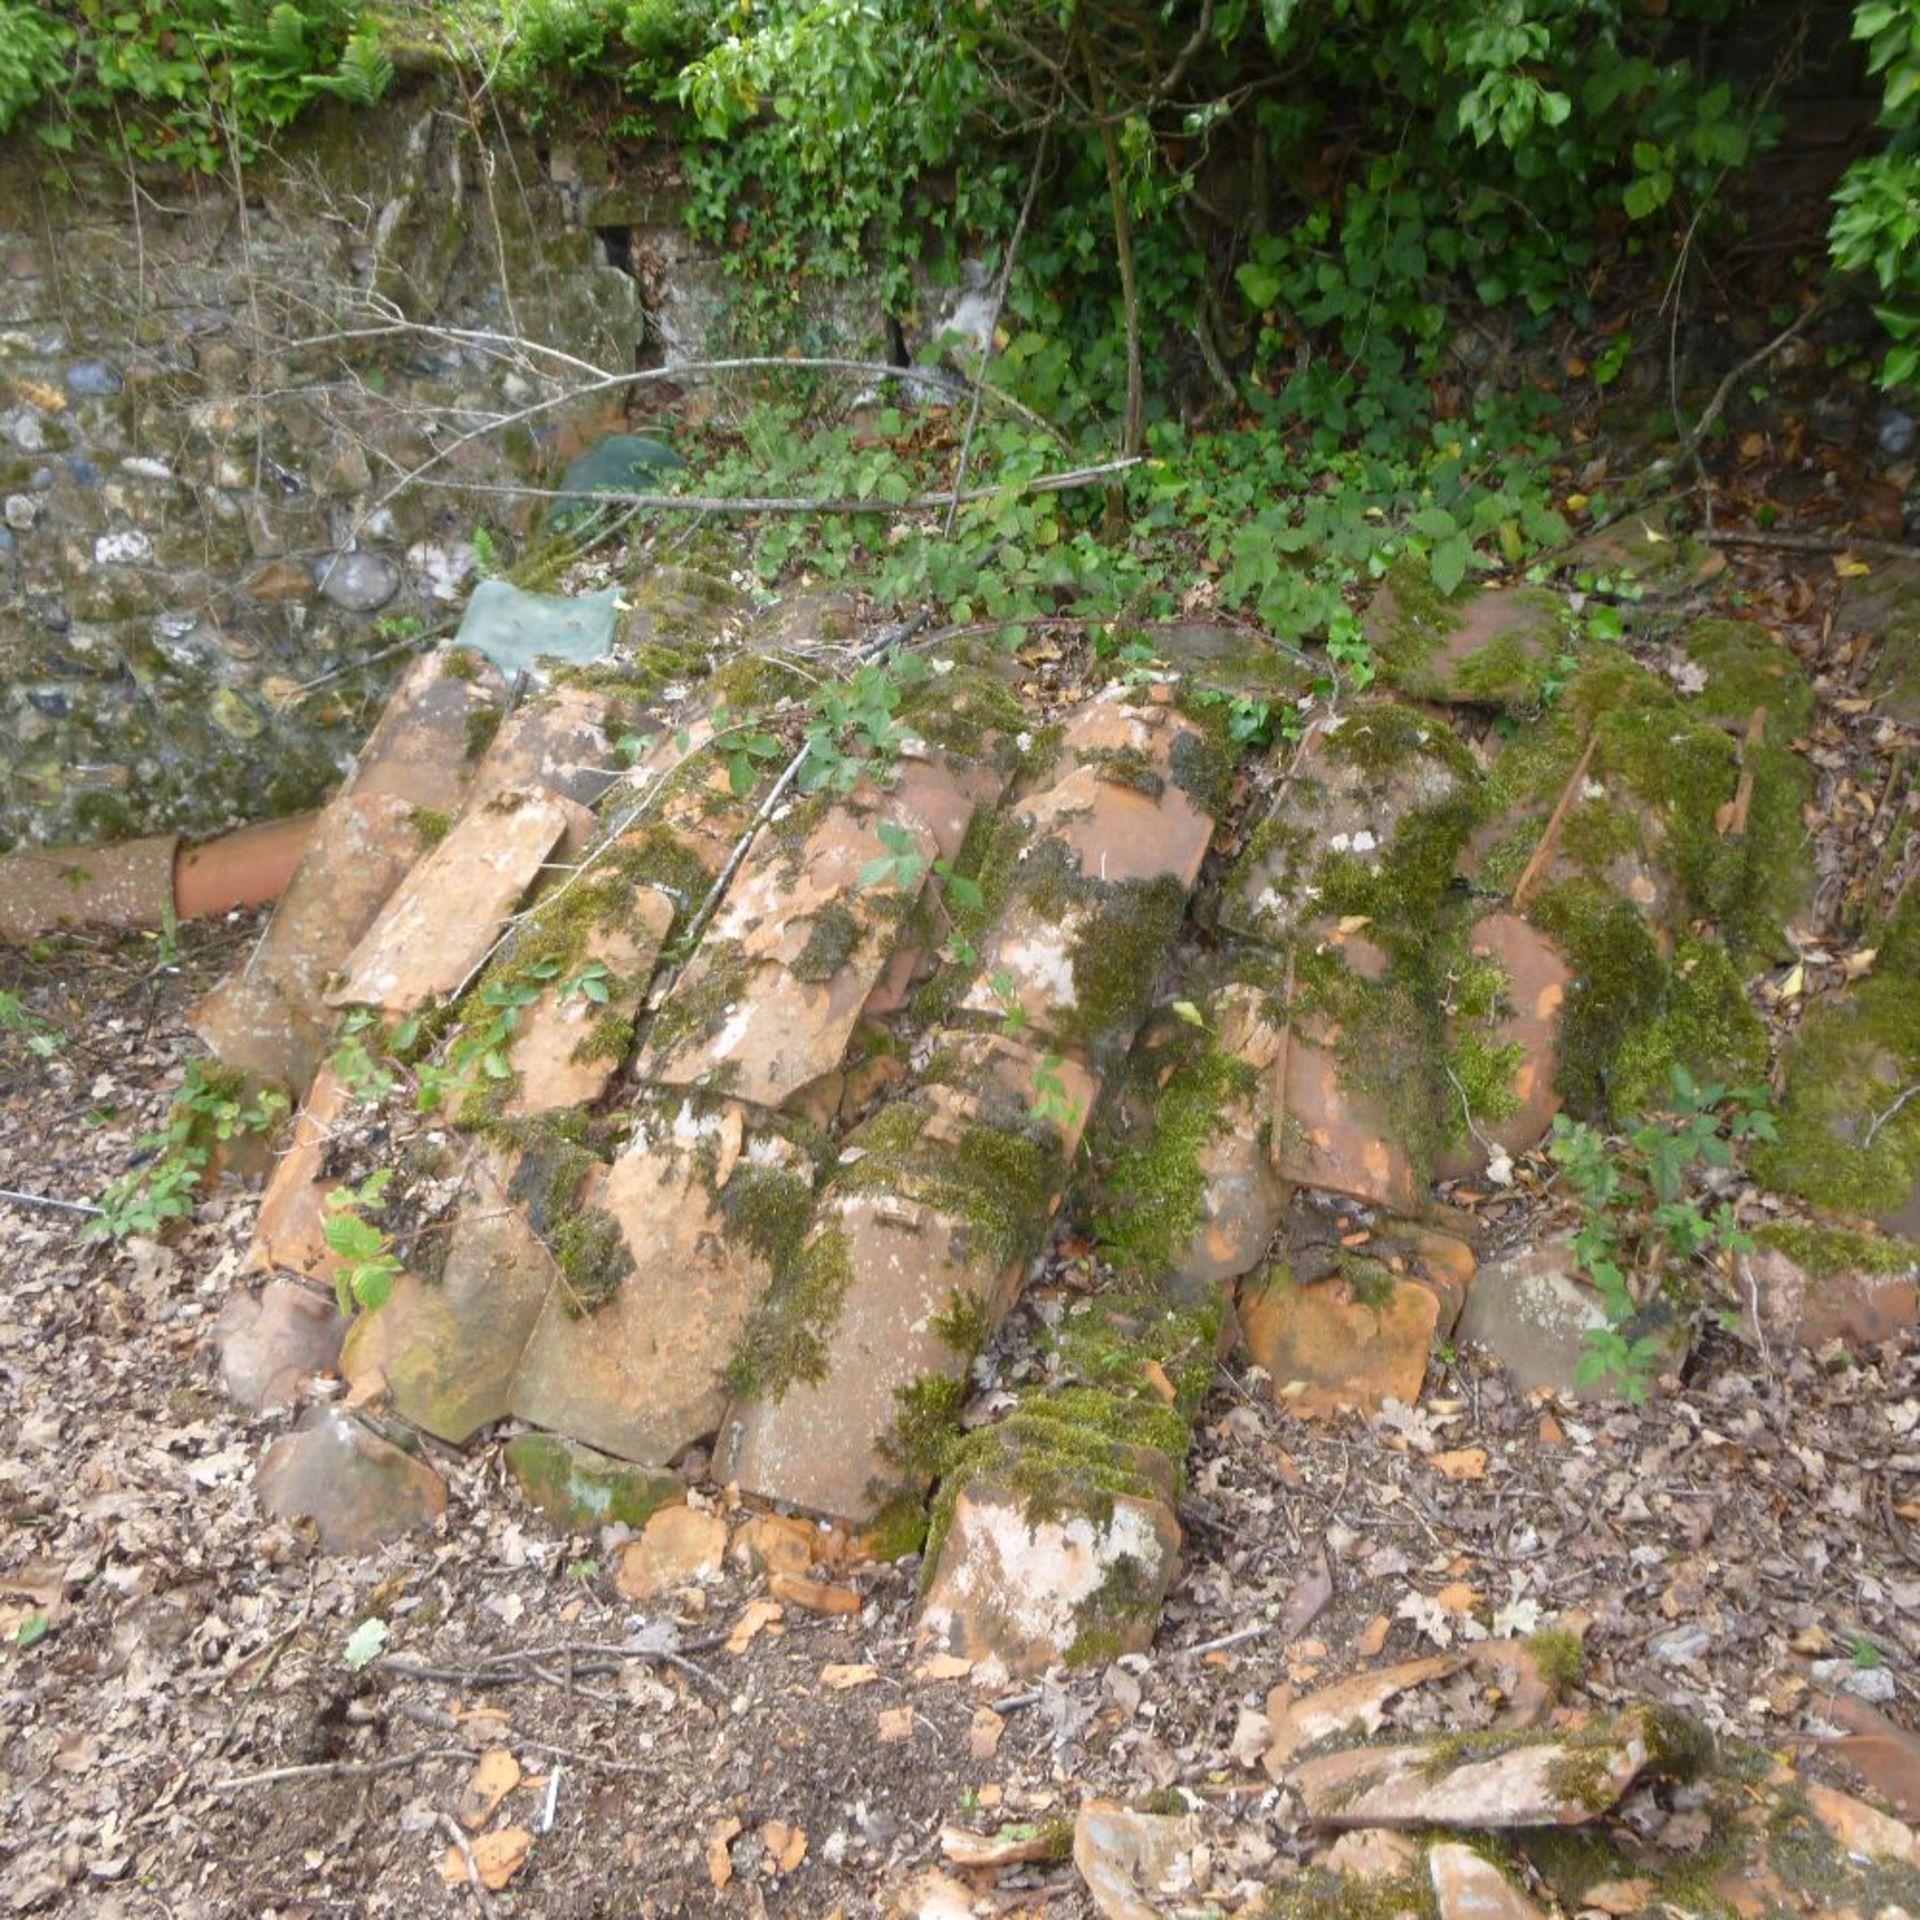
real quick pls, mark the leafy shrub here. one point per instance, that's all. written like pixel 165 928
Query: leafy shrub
pixel 1876 221
pixel 192 84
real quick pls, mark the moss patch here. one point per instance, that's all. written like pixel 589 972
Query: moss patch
pixel 594 1262
pixel 1153 1194
pixel 1705 1024
pixel 1846 1069
pixel 785 1343
pixel 1826 1253
pixel 833 936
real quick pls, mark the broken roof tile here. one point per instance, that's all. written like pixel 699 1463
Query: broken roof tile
pixel 642 1374
pixel 441 921
pixel 767 1004
pixel 553 1052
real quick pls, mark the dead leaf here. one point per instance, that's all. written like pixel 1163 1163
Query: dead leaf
pixel 1310 1595
pixel 943 1666
pixel 719 1854
pixel 1463 1463
pixel 1552 1433
pixel 754 1617
pixel 1156 1378
pixel 1373 1636
pixel 814 1596
pixel 495 1775
pixel 497 1857
pixel 983 1735
pixel 1457 1597
pixel 896 1724
pixel 785 1844
pixel 839 1678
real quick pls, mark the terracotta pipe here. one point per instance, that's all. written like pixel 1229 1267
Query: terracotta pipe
pixel 246 869
pixel 136 883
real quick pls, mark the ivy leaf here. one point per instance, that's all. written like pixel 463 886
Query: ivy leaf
pixel 1449 563
pixel 366 1643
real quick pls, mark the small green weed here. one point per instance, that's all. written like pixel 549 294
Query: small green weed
pixel 212 1108
pixel 1645 1220
pixel 40 1037
pixel 368 1265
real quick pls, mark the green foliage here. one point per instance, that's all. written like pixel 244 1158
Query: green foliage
pixel 556 57
pixel 212 1108
pixel 1645 1217
pixel 1876 221
pixel 366 1643
pixel 40 1037
pixel 193 84
pixel 368 1265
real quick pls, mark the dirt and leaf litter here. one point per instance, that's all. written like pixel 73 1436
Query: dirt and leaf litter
pixel 187 1717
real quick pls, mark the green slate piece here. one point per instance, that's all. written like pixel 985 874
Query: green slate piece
pixel 514 628
pixel 621 463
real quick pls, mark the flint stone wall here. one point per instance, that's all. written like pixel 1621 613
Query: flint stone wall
pixel 194 477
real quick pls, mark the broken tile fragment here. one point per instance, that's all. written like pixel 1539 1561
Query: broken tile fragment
pixel 1496 647
pixel 358 1489
pixel 557 1052
pixel 1348 1342
pixel 677 1547
pixel 448 1351
pixel 269 1017
pixel 289 1232
pixel 580 1489
pixel 1517 1038
pixel 1468 1886
pixel 640 1369
pixel 272 1343
pixel 1129 1860
pixel 1111 848
pixel 1533 1783
pixel 1032 1587
pixel 1331 846
pixel 766 1006
pixel 1332 1133
pixel 438 926
pixel 916 1251
pixel 555 742
pixel 1860 1301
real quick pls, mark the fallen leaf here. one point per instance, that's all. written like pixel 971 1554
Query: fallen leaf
pixel 814 1596
pixel 1796 979
pixel 1463 1463
pixel 896 1724
pixel 754 1617
pixel 719 1854
pixel 497 1857
pixel 1156 1377
pixel 983 1734
pixel 786 1844
pixel 943 1666
pixel 1373 1636
pixel 1552 1433
pixel 1457 1597
pixel 1310 1595
pixel 839 1678
pixel 495 1775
